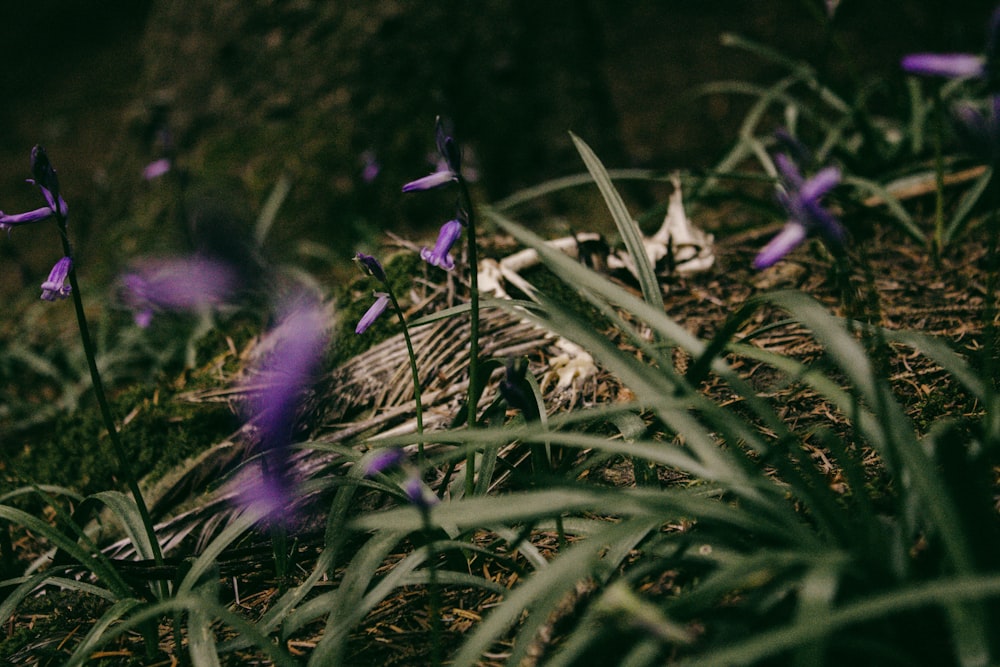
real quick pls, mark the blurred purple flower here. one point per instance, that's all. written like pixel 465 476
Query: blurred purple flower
pixel 156 168
pixel 372 266
pixel 382 460
pixel 179 284
pixel 801 199
pixel 418 493
pixel 449 167
pixel 370 166
pixel 962 65
pixel 978 130
pixel 373 313
pixel 291 354
pixel 55 287
pixel 440 256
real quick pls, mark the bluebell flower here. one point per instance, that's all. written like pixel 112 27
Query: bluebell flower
pixel 383 460
pixel 177 284
pixel 156 168
pixel 440 256
pixel 55 287
pixel 417 492
pixel 44 176
pixel 370 166
pixel 980 131
pixel 806 215
pixel 372 266
pixel 962 65
pixel 449 166
pixel 291 355
pixel 9 220
pixel 373 312
pixel 413 487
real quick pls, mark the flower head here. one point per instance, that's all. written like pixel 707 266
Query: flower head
pixel 290 356
pixel 449 165
pixel 7 221
pixel 801 199
pixel 440 256
pixel 179 284
pixel 55 287
pixel 373 313
pixel 382 460
pixel 962 65
pixel 44 176
pixel 980 131
pixel 372 266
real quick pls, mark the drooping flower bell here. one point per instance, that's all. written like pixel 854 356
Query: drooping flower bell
pixel 55 287
pixel 440 255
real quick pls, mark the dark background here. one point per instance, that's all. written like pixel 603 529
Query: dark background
pixel 253 90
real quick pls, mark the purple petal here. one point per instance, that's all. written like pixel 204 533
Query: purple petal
pixel 789 238
pixel 373 313
pixel 383 459
pixel 435 180
pixel 39 214
pixel 790 175
pixel 156 168
pixel 55 287
pixel 951 65
pixel 821 183
pixel 291 353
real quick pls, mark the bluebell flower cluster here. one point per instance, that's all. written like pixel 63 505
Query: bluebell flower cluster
pixel 44 176
pixel 449 171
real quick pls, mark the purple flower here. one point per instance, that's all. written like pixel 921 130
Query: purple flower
pixel 370 166
pixel 382 460
pixel 44 176
pixel 373 313
pixel 449 166
pixel 372 266
pixel 156 168
pixel 291 354
pixel 980 131
pixel 440 256
pixel 55 287
pixel 961 65
pixel 418 493
pixel 178 284
pixel 11 220
pixel 801 199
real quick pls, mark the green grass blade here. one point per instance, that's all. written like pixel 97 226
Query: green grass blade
pixel 627 227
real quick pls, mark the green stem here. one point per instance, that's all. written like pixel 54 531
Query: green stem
pixel 434 595
pixel 470 460
pixel 102 401
pixel 413 371
pixel 937 245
